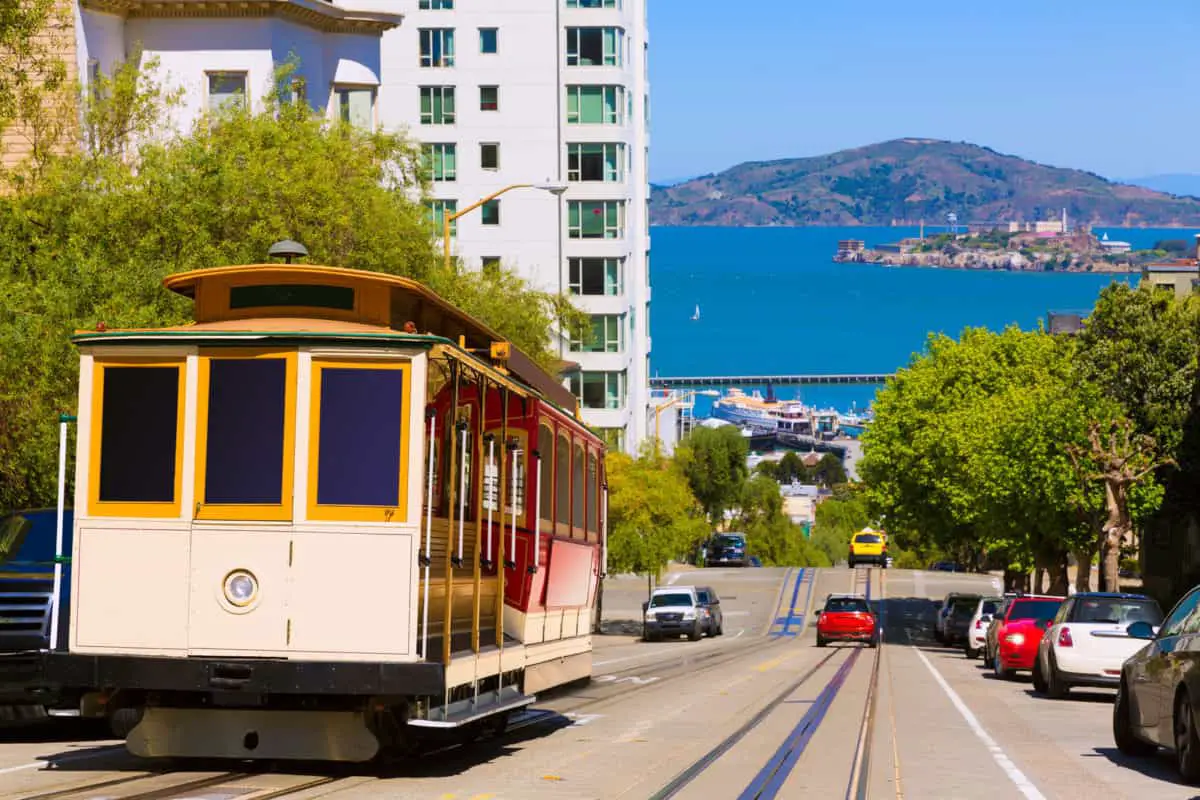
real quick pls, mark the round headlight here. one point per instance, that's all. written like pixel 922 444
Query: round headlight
pixel 240 587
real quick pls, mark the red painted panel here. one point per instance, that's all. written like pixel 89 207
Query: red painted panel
pixel 571 570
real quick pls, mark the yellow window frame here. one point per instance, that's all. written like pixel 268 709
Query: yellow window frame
pixel 281 512
pixel 346 513
pixel 122 508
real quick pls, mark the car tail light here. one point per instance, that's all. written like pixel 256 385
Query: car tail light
pixel 1064 638
pixel 978 624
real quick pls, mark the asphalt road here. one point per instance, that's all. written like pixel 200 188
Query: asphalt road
pixel 758 712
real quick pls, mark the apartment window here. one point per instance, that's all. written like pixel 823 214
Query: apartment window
pixel 596 105
pixel 595 276
pixel 607 335
pixel 436 5
pixel 489 98
pixel 596 219
pixel 491 212
pixel 437 47
pixel 596 162
pixel 356 105
pixel 599 390
pixel 489 155
pixel 440 161
pixel 594 47
pixel 437 105
pixel 593 3
pixel 489 39
pixel 438 209
pixel 226 88
pixel 490 265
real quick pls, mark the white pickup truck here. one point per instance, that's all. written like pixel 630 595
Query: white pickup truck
pixel 1086 642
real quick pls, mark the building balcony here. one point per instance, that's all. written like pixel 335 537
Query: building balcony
pixel 324 16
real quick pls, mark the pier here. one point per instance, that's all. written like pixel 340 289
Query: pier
pixel 848 379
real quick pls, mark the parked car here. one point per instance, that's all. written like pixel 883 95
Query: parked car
pixel 674 611
pixel 976 636
pixel 939 622
pixel 958 619
pixel 1014 638
pixel 847 617
pixel 1158 693
pixel 714 622
pixel 946 566
pixel 1087 642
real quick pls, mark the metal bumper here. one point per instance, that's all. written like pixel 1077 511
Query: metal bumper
pixel 682 626
pixel 258 676
pixel 23 680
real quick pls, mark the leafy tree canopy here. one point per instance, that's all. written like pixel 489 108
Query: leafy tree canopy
pixel 714 461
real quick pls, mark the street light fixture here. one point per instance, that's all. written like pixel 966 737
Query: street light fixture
pixel 553 188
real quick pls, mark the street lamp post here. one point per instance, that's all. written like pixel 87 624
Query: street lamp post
pixel 555 189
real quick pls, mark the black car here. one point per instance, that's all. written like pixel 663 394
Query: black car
pixel 1158 697
pixel 714 624
pixel 726 550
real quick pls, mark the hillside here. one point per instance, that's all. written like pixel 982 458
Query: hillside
pixel 909 180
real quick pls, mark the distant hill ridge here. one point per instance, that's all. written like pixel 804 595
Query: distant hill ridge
pixel 908 180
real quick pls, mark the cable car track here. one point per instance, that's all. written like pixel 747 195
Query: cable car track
pixel 228 780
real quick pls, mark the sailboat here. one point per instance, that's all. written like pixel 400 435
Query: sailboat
pixel 696 313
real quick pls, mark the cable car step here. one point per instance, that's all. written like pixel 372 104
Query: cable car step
pixel 461 712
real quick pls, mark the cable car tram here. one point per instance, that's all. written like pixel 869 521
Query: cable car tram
pixel 330 515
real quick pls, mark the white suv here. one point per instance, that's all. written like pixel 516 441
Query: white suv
pixel 674 611
pixel 977 628
pixel 1086 643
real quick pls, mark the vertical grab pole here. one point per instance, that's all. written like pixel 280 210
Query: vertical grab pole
pixel 463 433
pixel 493 473
pixel 426 557
pixel 512 542
pixel 604 531
pixel 59 538
pixel 537 531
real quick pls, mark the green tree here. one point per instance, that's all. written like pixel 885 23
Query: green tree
pixel 1140 346
pixel 837 519
pixel 829 471
pixel 87 237
pixel 652 515
pixel 714 462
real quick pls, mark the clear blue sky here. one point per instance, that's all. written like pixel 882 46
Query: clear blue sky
pixel 1110 86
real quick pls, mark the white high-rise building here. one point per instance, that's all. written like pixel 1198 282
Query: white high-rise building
pixel 550 92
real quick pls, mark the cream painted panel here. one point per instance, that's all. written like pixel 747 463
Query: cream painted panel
pixel 350 593
pixel 216 625
pixel 131 589
pixel 554 623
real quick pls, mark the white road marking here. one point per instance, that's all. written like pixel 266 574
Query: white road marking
pixel 1023 784
pixel 102 751
pixel 616 660
pixel 736 614
pixel 626 679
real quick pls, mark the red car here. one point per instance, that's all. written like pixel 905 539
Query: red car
pixel 846 618
pixel 1019 632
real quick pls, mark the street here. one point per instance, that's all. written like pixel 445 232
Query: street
pixel 758 712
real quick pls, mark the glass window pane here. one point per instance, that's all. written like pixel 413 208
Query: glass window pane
pixel 138 426
pixel 488 40
pixel 491 212
pixel 546 451
pixel 359 437
pixel 489 98
pixel 562 482
pixel 577 493
pixel 225 88
pixel 244 456
pixel 593 506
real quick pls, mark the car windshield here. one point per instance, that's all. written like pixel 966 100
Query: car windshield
pixel 867 538
pixel 660 600
pixel 989 607
pixel 847 604
pixel 1034 609
pixel 729 541
pixel 964 609
pixel 1118 610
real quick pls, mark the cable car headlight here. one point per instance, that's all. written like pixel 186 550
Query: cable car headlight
pixel 241 588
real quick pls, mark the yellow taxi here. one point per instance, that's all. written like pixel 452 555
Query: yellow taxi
pixel 868 547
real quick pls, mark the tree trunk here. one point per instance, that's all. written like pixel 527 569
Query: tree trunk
pixel 1059 578
pixel 1083 569
pixel 1016 580
pixel 1116 527
pixel 1039 580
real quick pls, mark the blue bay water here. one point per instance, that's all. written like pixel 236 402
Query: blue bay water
pixel 773 302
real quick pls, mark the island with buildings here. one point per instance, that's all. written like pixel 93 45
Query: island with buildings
pixel 1041 246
